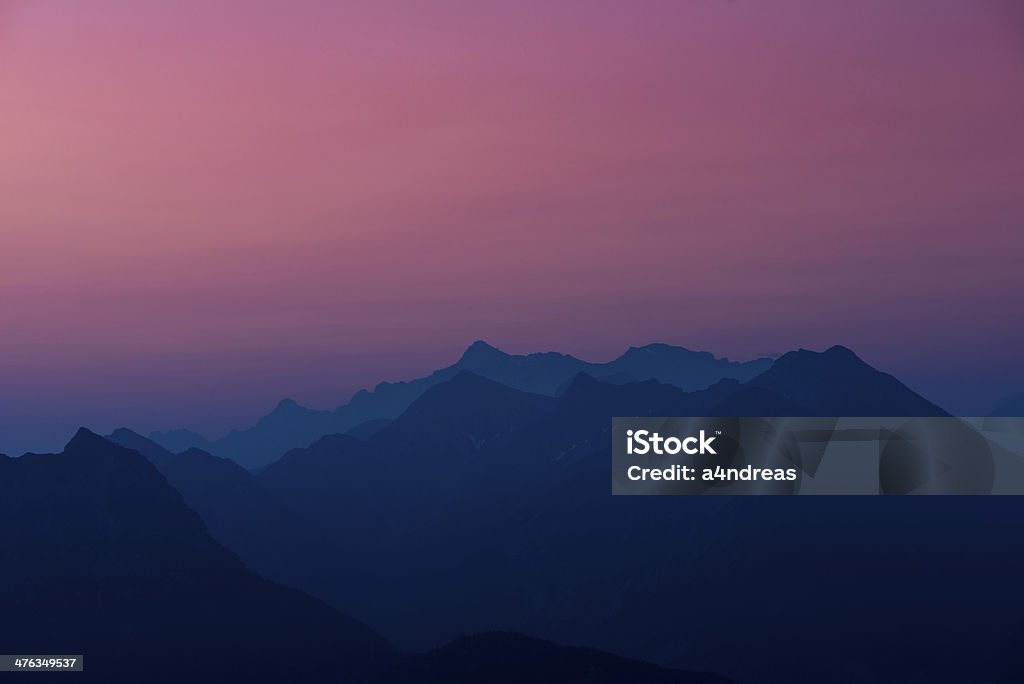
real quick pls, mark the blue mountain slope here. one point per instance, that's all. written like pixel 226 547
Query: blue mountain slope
pixel 837 382
pixel 239 513
pixel 102 557
pixel 522 534
pixel 177 441
pixel 482 507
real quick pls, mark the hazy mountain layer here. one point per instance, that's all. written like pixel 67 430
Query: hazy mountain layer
pixel 290 425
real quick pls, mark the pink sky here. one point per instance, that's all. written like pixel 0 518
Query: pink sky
pixel 207 205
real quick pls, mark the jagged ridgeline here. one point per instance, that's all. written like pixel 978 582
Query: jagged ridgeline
pixel 102 557
pixel 482 506
pixel 290 425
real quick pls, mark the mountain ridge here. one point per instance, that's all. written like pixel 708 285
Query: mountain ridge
pixel 103 557
pixel 290 425
pixel 111 563
pixel 434 524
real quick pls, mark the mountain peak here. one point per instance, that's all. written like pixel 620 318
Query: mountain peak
pixel 582 384
pixel 836 356
pixel 287 405
pixel 837 382
pixel 123 432
pixel 481 351
pixel 84 439
pixel 839 351
pixel 658 350
pixel 658 346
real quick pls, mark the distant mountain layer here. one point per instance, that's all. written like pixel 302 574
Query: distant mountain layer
pixel 290 425
pixel 180 440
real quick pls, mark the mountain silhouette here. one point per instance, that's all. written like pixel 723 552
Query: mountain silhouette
pixel 230 500
pixel 324 481
pixel 539 373
pixel 101 556
pixel 483 507
pixel 684 368
pixel 461 415
pixel 369 428
pixel 291 425
pixel 239 513
pixel 837 382
pixel 155 453
pixel 436 442
pixel 180 440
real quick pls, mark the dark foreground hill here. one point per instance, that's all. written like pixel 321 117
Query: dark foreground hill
pixel 505 658
pixel 101 557
pixel 239 512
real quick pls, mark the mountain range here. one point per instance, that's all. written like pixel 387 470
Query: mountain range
pixel 103 558
pixel 482 508
pixel 290 425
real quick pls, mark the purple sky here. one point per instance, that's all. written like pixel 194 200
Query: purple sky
pixel 203 210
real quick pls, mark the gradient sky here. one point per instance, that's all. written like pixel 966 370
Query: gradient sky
pixel 206 205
